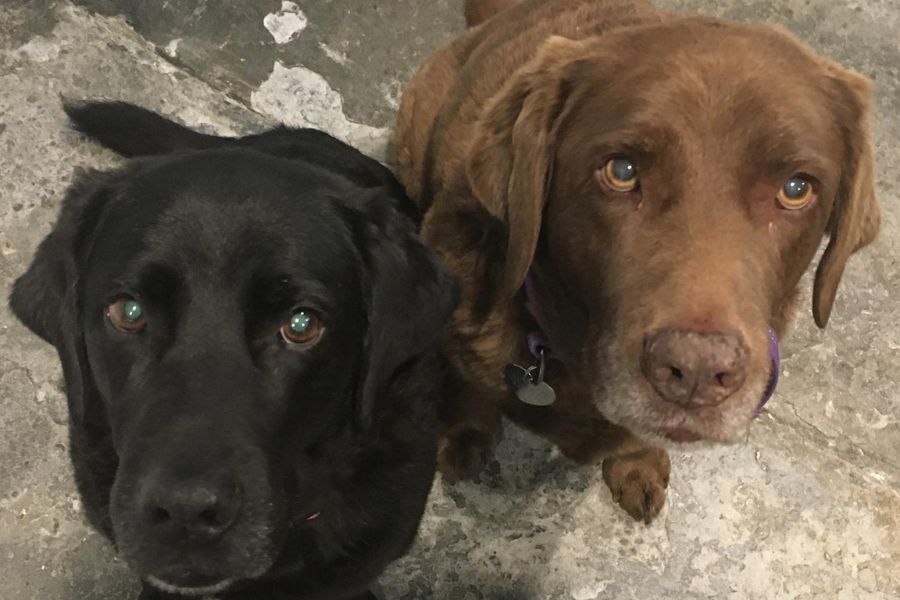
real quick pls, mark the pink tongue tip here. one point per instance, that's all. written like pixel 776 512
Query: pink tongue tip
pixel 313 516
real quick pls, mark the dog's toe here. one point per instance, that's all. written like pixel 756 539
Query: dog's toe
pixel 638 482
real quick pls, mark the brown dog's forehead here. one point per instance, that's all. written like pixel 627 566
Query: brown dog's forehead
pixel 751 84
pixel 713 43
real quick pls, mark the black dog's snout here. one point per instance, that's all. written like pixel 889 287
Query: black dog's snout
pixel 196 510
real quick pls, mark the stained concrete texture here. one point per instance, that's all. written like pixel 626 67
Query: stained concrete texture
pixel 808 507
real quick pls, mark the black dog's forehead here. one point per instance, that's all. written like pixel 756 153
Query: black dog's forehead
pixel 227 216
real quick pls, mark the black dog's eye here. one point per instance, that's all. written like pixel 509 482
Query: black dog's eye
pixel 126 314
pixel 304 328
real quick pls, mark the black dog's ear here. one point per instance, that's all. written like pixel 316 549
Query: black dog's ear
pixel 45 298
pixel 410 298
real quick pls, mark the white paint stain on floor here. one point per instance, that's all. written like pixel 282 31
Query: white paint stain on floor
pixel 171 49
pixel 300 97
pixel 335 55
pixel 286 24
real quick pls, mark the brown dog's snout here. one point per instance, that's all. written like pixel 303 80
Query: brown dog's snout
pixel 694 369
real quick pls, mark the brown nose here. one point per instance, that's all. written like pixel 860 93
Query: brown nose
pixel 694 369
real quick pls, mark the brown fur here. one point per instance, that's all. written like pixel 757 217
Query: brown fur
pixel 499 140
pixel 479 11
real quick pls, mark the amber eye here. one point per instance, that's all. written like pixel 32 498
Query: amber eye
pixel 303 328
pixel 796 193
pixel 619 174
pixel 126 314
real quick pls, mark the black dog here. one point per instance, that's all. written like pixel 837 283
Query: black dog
pixel 246 330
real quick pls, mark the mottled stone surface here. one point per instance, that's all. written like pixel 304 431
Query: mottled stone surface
pixel 808 507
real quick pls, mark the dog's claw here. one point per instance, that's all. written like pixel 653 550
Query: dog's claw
pixel 638 482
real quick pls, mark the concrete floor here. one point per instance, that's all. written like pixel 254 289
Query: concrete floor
pixel 808 508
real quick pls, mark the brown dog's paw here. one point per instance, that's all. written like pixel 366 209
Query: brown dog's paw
pixel 462 452
pixel 638 482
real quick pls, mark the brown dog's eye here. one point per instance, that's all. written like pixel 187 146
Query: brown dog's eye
pixel 619 174
pixel 303 328
pixel 796 193
pixel 126 314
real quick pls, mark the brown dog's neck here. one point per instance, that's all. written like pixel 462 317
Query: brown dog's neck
pixel 555 312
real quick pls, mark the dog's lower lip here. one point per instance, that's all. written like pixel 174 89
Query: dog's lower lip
pixel 680 434
pixel 190 590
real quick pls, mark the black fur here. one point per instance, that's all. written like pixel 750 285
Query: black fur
pixel 221 240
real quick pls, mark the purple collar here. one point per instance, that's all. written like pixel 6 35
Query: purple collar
pixel 538 341
pixel 775 354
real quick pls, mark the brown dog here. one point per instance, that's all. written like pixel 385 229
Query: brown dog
pixel 666 181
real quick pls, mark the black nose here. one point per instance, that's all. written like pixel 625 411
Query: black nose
pixel 198 510
pixel 695 369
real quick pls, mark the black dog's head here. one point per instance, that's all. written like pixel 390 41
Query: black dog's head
pixel 233 321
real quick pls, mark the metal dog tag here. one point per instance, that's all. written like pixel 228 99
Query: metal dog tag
pixel 528 386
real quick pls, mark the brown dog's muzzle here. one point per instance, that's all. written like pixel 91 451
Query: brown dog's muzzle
pixel 694 369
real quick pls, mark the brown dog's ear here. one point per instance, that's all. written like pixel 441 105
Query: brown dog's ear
pixel 856 216
pixel 511 159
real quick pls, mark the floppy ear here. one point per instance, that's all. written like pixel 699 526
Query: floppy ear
pixel 410 298
pixel 45 298
pixel 511 159
pixel 856 216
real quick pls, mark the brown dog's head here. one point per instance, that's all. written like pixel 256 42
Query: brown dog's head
pixel 669 185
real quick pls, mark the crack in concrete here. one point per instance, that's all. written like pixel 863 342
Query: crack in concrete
pixel 892 470
pixel 184 68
